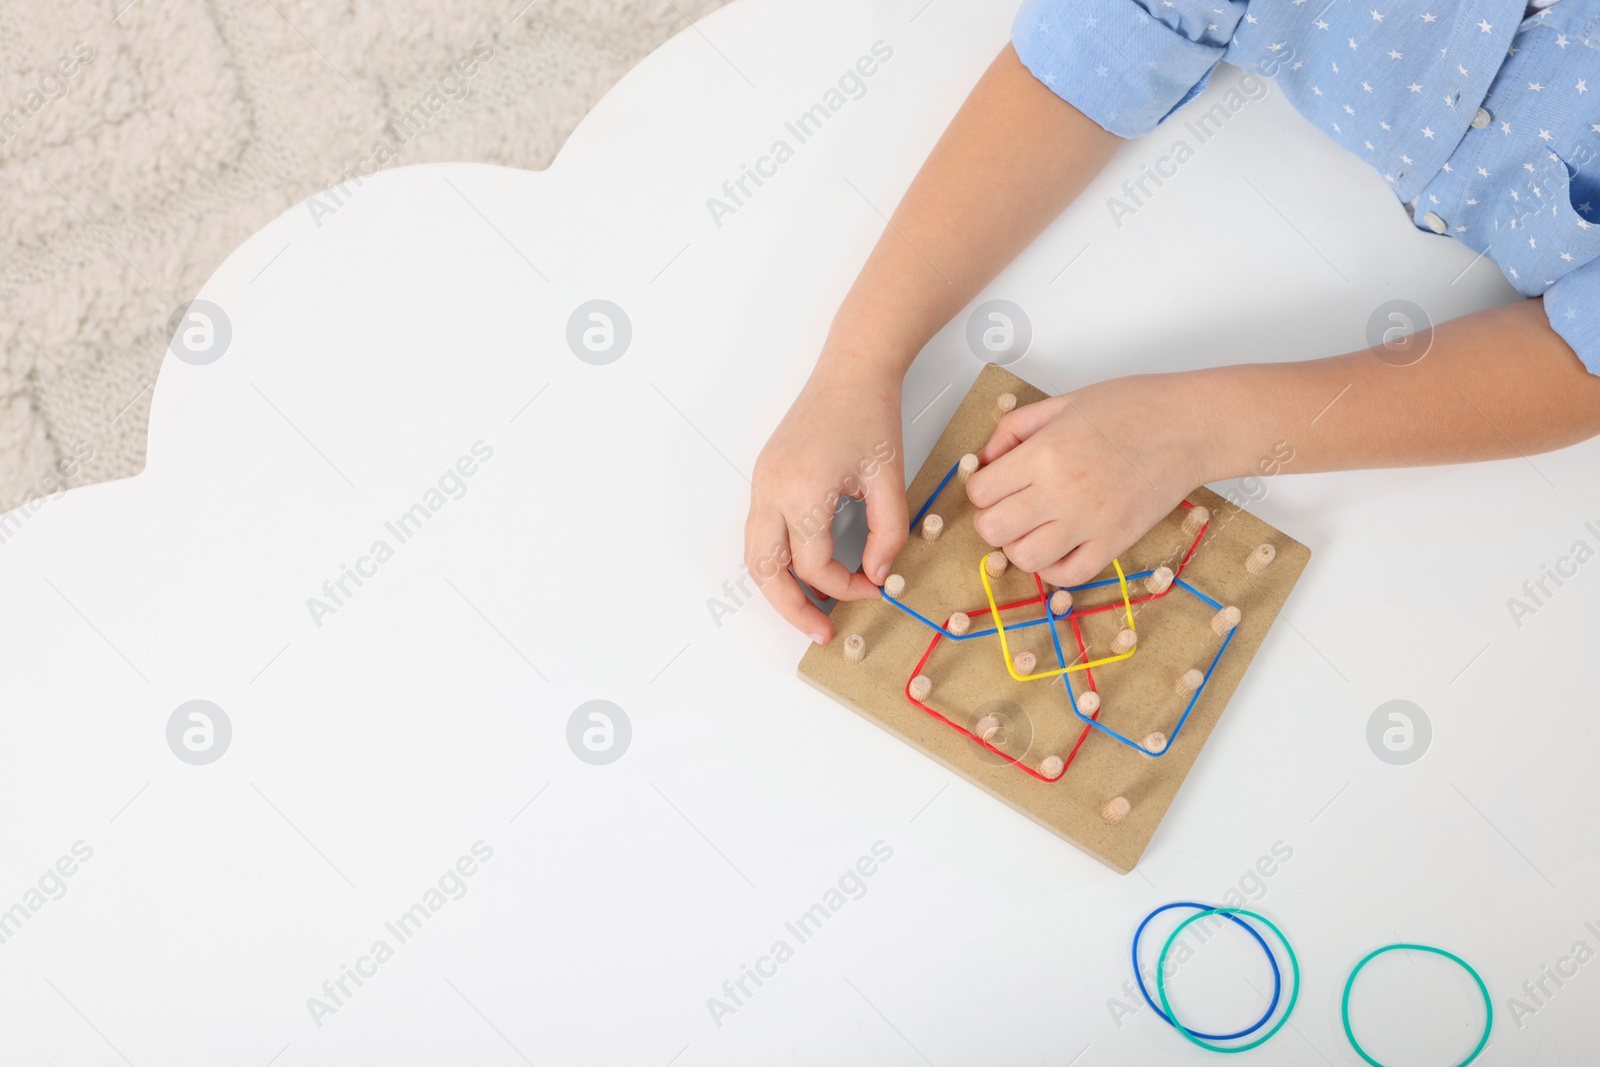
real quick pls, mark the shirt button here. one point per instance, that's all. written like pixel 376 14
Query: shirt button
pixel 1481 119
pixel 1434 222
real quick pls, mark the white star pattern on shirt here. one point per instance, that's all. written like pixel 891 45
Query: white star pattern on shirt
pixel 1279 37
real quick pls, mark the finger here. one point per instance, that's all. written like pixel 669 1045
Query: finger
pixel 1019 425
pixel 1043 546
pixel 887 520
pixel 766 557
pixel 993 483
pixel 1012 519
pixel 1082 563
pixel 815 565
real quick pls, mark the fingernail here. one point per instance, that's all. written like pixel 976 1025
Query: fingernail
pixel 881 573
pixel 819 638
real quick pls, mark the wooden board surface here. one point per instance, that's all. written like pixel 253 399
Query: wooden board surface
pixel 970 679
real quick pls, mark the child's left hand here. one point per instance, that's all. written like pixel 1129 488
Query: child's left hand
pixel 1070 482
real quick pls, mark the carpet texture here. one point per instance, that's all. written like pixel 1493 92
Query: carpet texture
pixel 142 141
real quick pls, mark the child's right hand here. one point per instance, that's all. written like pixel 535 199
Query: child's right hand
pixel 841 437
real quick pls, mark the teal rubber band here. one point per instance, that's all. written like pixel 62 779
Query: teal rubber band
pixel 1488 1005
pixel 1294 993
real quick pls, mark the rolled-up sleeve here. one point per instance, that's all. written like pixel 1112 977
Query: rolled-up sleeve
pixel 1124 64
pixel 1573 304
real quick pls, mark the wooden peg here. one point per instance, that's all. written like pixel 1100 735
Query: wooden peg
pixel 1195 521
pixel 967 467
pixel 1089 702
pixel 932 527
pixel 1060 602
pixel 1159 582
pixel 987 727
pixel 1052 766
pixel 1155 742
pixel 1259 558
pixel 1005 405
pixel 959 623
pixel 995 563
pixel 895 586
pixel 1115 810
pixel 1025 662
pixel 1125 641
pixel 1225 620
pixel 921 686
pixel 855 648
pixel 1188 682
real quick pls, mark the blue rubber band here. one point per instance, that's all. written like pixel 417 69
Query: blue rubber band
pixel 1187 708
pixel 1277 976
pixel 951 473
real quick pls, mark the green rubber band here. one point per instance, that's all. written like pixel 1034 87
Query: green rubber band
pixel 1161 979
pixel 1488 1005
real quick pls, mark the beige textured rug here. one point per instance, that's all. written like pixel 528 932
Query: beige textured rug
pixel 141 141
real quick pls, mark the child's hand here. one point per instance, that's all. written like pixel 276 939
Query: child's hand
pixel 1071 481
pixel 841 437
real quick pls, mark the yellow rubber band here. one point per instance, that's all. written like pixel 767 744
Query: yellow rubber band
pixel 994 610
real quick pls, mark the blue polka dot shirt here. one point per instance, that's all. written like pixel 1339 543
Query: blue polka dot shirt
pixel 1483 117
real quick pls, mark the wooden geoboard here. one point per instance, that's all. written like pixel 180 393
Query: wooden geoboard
pixel 1138 695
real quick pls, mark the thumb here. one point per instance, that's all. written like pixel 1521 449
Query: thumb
pixel 1019 425
pixel 887 520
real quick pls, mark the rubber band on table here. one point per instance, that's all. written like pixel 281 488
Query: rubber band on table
pixel 1277 973
pixel 1488 1003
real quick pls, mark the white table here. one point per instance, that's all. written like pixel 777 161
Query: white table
pixel 371 348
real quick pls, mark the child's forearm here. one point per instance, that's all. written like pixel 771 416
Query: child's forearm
pixel 1495 384
pixel 1013 157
